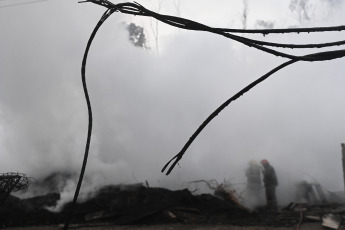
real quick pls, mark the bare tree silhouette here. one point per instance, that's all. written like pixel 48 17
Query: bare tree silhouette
pixel 12 182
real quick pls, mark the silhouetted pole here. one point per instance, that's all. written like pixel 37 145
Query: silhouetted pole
pixel 343 154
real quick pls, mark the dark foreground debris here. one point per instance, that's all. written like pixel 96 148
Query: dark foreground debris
pixel 136 204
pixel 121 205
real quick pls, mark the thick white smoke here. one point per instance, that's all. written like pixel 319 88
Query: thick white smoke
pixel 146 106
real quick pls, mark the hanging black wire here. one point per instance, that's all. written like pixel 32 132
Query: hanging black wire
pixel 137 9
pixel 89 130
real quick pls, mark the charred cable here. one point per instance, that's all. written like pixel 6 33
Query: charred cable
pixel 137 9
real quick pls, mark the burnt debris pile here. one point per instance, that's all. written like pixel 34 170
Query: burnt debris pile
pixel 126 204
pixel 31 211
pixel 136 204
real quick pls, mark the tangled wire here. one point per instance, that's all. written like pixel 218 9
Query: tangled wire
pixel 12 182
pixel 268 47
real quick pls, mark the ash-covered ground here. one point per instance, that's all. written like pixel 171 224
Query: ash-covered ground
pixel 136 204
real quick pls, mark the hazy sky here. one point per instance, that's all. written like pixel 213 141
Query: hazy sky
pixel 146 105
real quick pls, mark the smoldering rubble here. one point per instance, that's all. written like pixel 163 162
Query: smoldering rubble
pixel 125 204
pixel 136 204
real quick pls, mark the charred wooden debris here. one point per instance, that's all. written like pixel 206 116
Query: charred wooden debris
pixel 136 204
pixel 125 205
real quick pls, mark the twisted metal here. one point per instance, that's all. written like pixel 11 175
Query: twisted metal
pixel 137 9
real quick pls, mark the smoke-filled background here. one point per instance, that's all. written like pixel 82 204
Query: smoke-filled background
pixel 148 102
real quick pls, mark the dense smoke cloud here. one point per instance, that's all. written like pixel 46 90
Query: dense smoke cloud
pixel 146 105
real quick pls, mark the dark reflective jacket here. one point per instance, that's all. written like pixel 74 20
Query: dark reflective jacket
pixel 270 177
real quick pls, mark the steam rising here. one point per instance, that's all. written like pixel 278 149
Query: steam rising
pixel 147 105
